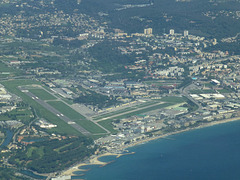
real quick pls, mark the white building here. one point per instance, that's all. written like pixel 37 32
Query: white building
pixel 148 31
pixel 171 32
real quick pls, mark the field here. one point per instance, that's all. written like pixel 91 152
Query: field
pixel 144 110
pixel 209 85
pixel 113 113
pixel 78 118
pixel 106 119
pixel 62 127
pixel 66 110
pixel 68 101
pixel 90 126
pixel 149 103
pixel 173 99
pixel 224 90
pixel 108 125
pixel 42 94
pixel 38 151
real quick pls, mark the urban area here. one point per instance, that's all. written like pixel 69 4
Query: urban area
pixel 66 76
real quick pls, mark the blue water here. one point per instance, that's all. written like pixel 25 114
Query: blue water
pixel 31 174
pixel 8 138
pixel 211 153
pixel 107 158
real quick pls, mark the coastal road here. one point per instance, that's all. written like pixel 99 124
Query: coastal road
pixel 56 112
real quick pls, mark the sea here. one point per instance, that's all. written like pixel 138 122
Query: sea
pixel 210 153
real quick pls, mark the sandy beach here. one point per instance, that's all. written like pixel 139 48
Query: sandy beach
pixel 94 160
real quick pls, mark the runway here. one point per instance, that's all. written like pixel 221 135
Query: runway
pixel 56 112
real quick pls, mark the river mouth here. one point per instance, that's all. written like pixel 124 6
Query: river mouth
pixel 6 142
pixel 32 174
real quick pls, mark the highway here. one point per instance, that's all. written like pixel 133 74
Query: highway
pixel 184 92
pixel 57 113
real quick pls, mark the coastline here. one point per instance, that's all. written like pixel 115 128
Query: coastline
pixel 180 131
pixel 94 160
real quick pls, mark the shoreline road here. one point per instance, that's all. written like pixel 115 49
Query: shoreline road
pixel 57 113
